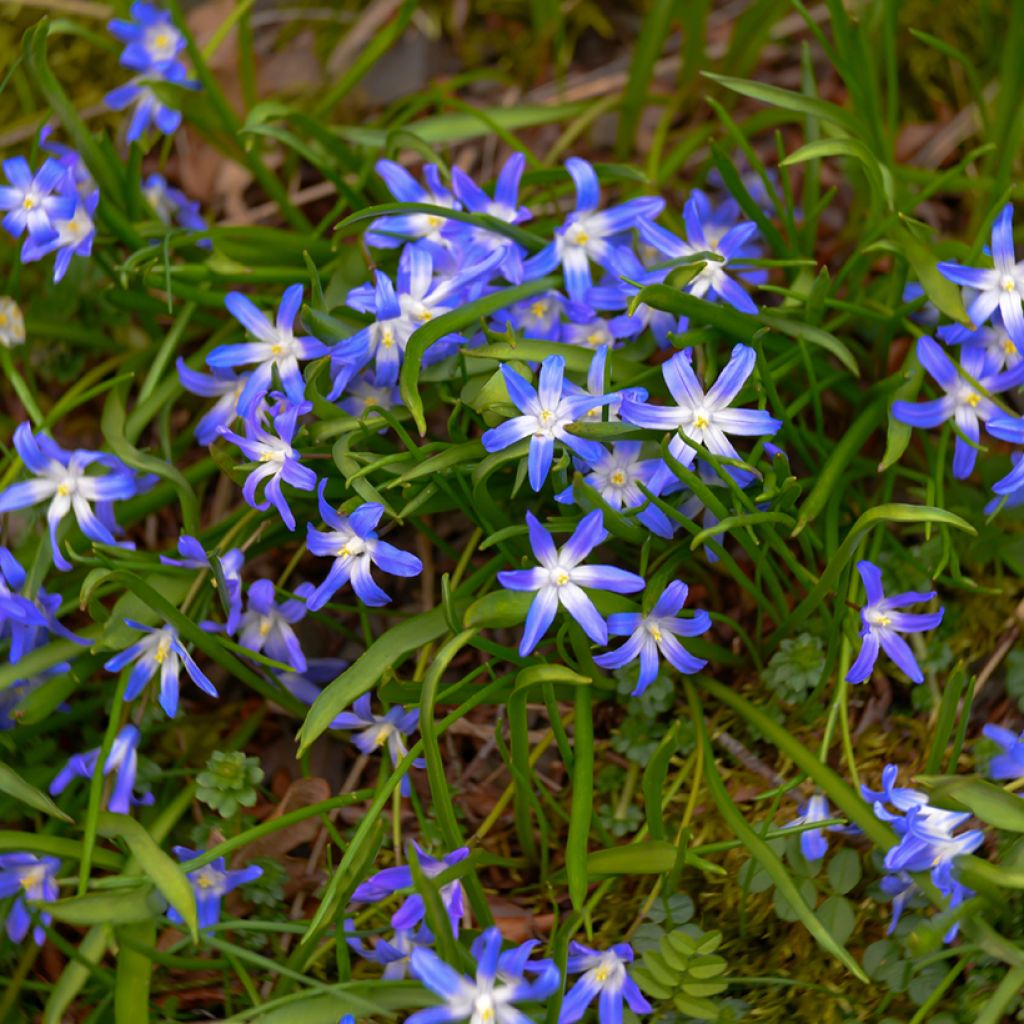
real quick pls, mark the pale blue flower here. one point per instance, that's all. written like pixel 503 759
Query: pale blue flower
pixel 29 199
pixel 267 626
pixel 882 622
pixel 122 762
pixel 159 652
pixel 560 579
pixel 604 977
pixel 28 877
pixel 1009 764
pixel 211 883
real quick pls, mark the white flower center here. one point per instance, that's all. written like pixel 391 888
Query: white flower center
pixel 1007 283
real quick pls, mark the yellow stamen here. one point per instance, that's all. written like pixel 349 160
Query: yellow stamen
pixel 63 490
pixel 265 626
pixel 28 203
pixel 561 578
pixel 539 308
pixel 973 399
pixel 618 478
pixel 701 422
pixel 1008 347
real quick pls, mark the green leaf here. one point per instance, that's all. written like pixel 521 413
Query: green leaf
pixel 499 609
pixel 116 906
pixel 453 322
pixel 991 803
pixel 159 867
pixel 134 972
pixel 368 999
pixel 837 915
pixel 15 786
pixel 650 857
pixel 844 871
pixel 796 102
pixel 940 290
pixel 879 176
pixel 75 974
pixel 387 652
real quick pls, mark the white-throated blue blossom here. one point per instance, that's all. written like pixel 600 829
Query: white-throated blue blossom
pixel 12 323
pixel 604 977
pixel 77 177
pixel 152 41
pixel 560 579
pixel 74 237
pixel 490 996
pixel 1009 763
pixel 998 287
pixel 539 317
pixel 172 205
pixel 277 462
pixel 587 233
pixel 159 652
pixel 226 387
pixel 424 230
pixel 194 556
pixel 813 843
pixel 365 394
pixel 713 277
pixel 62 478
pixel 149 108
pixel 371 732
pixel 211 883
pixel 704 418
pixel 547 411
pixel 30 201
pixel 266 626
pixel 122 762
pixel 617 476
pixel 585 327
pixel 993 339
pixel 882 622
pixel 28 877
pixel 928 842
pixel 655 635
pixel 962 402
pixel 276 348
pixel 388 881
pixel 596 389
pixel 627 276
pixel 420 297
pixel 353 543
pixel 476 243
pixel 392 954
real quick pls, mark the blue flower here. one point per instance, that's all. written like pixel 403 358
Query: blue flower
pixel 171 204
pixel 618 289
pixel 29 622
pixel 490 996
pixel 211 883
pixel 586 328
pixel 149 109
pixel 998 287
pixel 223 385
pixel 712 278
pixel 704 418
pixel 547 411
pixel 478 243
pixel 595 389
pixel 30 202
pixel 152 41
pixel 617 477
pixel 538 318
pixel 559 580
pixel 813 844
pixel 61 478
pixel 75 236
pixel 27 877
pixel 12 323
pixel 882 622
pixel 962 402
pixel 194 556
pixel 656 633
pixel 423 229
pixel 353 543
pixel 390 880
pixel 122 761
pixel 603 977
pixel 1008 428
pixel 276 347
pixel 366 395
pixel 159 651
pixel 277 463
pixel 376 731
pixel 392 954
pixel 998 346
pixel 587 233
pixel 76 175
pixel 928 842
pixel 1010 763
pixel 420 298
pixel 267 626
